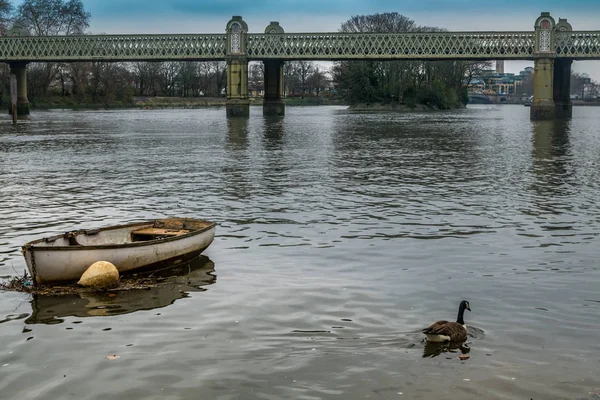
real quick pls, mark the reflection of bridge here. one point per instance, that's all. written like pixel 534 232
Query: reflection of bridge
pixel 552 45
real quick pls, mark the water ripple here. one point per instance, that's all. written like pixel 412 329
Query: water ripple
pixel 340 236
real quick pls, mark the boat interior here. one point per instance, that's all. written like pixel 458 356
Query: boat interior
pixel 153 230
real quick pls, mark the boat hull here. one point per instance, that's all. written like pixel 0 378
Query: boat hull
pixel 64 262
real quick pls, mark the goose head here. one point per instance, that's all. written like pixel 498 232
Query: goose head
pixel 464 305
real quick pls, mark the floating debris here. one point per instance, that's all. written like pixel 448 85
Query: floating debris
pixel 24 284
pixel 17 283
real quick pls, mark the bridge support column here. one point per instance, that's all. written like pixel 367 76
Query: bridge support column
pixel 273 103
pixel 238 102
pixel 562 88
pixel 543 106
pixel 552 75
pixel 20 71
pixel 562 78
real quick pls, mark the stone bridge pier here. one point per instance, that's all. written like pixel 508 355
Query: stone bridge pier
pixel 238 102
pixel 19 70
pixel 273 103
pixel 552 75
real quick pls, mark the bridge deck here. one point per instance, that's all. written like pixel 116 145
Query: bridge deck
pixel 298 46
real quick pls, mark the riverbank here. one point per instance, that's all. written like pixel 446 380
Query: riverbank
pixel 585 103
pixel 396 107
pixel 156 102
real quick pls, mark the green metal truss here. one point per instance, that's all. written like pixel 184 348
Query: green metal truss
pixel 291 46
pixel 444 45
pixel 578 45
pixel 113 48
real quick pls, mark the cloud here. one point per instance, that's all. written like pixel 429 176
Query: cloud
pixel 494 10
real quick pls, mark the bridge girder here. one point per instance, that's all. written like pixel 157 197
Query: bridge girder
pixel 577 45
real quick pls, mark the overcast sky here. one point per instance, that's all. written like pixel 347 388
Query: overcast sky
pixel 210 16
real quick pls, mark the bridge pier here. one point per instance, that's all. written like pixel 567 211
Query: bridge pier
pixel 552 75
pixel 543 106
pixel 562 78
pixel 562 88
pixel 19 69
pixel 238 102
pixel 273 103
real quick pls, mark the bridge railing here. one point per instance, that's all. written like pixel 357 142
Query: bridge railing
pixel 430 45
pixel 294 46
pixel 113 47
pixel 578 44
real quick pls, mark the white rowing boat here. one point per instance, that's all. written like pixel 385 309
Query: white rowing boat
pixel 129 247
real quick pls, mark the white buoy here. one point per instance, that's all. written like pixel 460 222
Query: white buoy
pixel 99 274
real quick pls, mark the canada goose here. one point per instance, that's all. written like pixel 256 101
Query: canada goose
pixel 444 331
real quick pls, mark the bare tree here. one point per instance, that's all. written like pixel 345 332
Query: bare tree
pixel 256 76
pixel 5 13
pixel 46 18
pixel 110 81
pixel 170 75
pixel 290 79
pixel 6 9
pixel 147 77
pixel 304 70
pixel 212 77
pixel 476 70
pixel 317 81
pixel 79 74
pixel 188 78
pixel 580 84
pixel 53 17
pixel 386 22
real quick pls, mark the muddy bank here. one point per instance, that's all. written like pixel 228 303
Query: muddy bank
pixel 178 102
pixel 376 107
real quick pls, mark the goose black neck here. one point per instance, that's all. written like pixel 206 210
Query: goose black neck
pixel 461 313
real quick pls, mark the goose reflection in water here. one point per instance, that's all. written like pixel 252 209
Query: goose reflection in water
pixel 170 284
pixel 434 349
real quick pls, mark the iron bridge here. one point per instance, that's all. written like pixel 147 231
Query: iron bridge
pixel 576 45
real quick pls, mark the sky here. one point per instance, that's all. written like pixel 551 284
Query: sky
pixel 211 16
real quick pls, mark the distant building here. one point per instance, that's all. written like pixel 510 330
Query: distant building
pixel 500 66
pixel 494 82
pixel 527 71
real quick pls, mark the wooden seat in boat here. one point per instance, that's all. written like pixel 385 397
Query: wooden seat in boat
pixel 156 233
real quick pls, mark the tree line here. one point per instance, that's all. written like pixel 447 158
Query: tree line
pixel 121 81
pixel 441 84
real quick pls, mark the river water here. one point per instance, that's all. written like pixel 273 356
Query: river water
pixel 340 235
